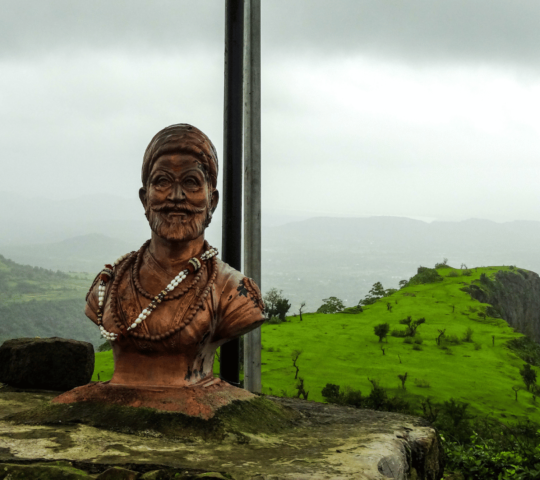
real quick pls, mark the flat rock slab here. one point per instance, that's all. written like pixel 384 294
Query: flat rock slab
pixel 322 442
pixel 48 363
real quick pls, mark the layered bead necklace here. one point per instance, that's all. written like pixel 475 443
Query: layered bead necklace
pixel 194 264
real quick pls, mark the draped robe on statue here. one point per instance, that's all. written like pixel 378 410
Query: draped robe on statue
pixel 233 307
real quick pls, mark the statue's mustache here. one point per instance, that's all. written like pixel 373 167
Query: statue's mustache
pixel 177 207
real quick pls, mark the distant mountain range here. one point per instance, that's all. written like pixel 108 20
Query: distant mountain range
pixel 310 259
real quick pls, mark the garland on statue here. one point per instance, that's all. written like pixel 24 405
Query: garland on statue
pixel 195 264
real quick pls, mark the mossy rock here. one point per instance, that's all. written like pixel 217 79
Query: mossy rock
pixel 42 471
pixel 239 419
pixel 118 473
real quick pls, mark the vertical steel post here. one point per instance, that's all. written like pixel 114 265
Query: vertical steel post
pixel 232 165
pixel 252 179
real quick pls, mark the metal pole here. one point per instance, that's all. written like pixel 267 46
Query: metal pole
pixel 252 179
pixel 232 165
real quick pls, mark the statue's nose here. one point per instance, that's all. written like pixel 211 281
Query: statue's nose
pixel 176 194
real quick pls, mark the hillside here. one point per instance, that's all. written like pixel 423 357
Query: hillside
pixel 38 302
pixel 342 349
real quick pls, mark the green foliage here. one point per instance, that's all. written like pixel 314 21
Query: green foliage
pixel 526 349
pixel 282 307
pixel 408 340
pixel 412 325
pixel 353 310
pixel 487 458
pixel 368 301
pixel 378 398
pixel 451 339
pixel 424 276
pixel 349 396
pixel 274 321
pixel 331 393
pixel 377 292
pixel 528 375
pixel 453 273
pixel 398 333
pixel 381 330
pixel 443 264
pixel 467 336
pixel 276 305
pixel 417 347
pixel 418 340
pixel 421 383
pixel 331 305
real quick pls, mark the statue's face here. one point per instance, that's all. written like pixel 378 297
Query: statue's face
pixel 178 199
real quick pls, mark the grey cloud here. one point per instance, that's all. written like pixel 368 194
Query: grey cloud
pixel 38 27
pixel 491 30
pixel 487 30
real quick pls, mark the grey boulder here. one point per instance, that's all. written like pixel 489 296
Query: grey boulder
pixel 46 363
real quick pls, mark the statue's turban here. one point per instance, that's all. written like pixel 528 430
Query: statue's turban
pixel 181 138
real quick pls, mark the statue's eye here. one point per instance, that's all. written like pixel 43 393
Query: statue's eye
pixel 162 182
pixel 191 182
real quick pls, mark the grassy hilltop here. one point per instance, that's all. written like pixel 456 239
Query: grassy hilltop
pixel 342 349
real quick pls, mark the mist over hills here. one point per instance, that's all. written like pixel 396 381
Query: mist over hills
pixel 319 257
pixel 310 259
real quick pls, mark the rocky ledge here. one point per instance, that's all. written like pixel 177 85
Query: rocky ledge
pixel 283 439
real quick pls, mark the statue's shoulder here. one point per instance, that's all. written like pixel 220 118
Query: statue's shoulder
pixel 230 281
pixel 226 273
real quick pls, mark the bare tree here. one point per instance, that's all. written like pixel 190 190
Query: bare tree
pixel 441 334
pixel 403 379
pixel 301 390
pixel 294 355
pixel 300 309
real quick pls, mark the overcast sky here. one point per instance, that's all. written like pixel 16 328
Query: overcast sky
pixel 418 108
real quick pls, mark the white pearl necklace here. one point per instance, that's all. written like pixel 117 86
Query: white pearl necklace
pixel 194 264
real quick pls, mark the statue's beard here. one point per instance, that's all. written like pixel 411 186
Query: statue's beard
pixel 178 228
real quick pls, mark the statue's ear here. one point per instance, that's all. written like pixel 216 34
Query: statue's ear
pixel 214 201
pixel 142 196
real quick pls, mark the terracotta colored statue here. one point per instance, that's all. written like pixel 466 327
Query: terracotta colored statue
pixel 167 307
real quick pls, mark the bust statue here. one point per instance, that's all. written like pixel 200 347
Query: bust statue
pixel 167 307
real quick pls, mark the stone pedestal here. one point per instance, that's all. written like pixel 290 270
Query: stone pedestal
pixel 264 438
pixel 200 400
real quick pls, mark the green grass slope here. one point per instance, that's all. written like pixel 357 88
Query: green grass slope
pixel 38 302
pixel 342 349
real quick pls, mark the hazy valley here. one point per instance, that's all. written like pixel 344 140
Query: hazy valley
pixel 309 259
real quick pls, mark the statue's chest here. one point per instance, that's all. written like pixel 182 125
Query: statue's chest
pixel 174 325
